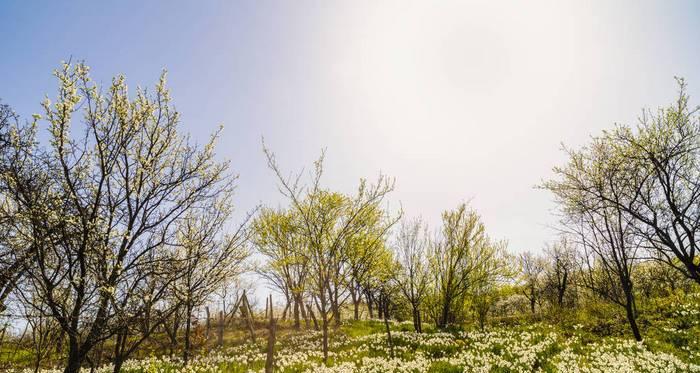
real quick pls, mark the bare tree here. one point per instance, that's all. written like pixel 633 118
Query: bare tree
pixel 531 273
pixel 559 271
pixel 413 276
pixel 206 257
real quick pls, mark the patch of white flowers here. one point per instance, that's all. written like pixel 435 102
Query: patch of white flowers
pixel 535 349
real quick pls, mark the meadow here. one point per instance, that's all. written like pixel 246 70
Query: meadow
pixel 575 343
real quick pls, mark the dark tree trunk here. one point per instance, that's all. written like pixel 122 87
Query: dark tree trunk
pixel 324 322
pixel 119 347
pixel 444 318
pixel 75 357
pixel 284 313
pixel 631 311
pixel 188 330
pixel 384 304
pixel 416 319
pixel 355 296
pixel 562 290
pixel 172 333
pixel 313 316
pixel 335 308
pixel 302 311
pixel 208 323
pixel 370 305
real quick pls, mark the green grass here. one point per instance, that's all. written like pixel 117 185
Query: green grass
pixel 541 342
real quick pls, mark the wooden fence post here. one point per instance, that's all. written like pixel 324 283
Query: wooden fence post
pixel 272 328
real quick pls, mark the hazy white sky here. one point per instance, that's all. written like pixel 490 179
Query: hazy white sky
pixel 457 100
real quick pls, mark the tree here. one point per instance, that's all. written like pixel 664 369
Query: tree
pixel 607 234
pixel 660 191
pixel 560 270
pixel 461 260
pixel 278 237
pixel 531 271
pixel 327 220
pixel 114 191
pixel 368 256
pixel 411 248
pixel 23 183
pixel 206 257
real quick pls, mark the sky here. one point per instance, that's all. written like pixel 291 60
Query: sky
pixel 458 101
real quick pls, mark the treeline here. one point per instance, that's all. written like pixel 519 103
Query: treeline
pixel 117 232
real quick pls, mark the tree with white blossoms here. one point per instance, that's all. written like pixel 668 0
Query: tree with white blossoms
pixel 117 184
pixel 608 236
pixel 22 181
pixel 206 257
pixel 657 185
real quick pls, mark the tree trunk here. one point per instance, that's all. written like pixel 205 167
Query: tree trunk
pixel 2 335
pixel 75 357
pixel 335 307
pixel 355 296
pixel 370 307
pixel 118 365
pixel 188 329
pixel 220 334
pixel 631 311
pixel 313 316
pixel 59 343
pixel 295 313
pixel 206 338
pixel 303 312
pixel 324 320
pixel 119 346
pixel 389 341
pixel 272 327
pixel 286 309
pixel 562 289
pixel 442 323
pixel 416 319
pixel 173 334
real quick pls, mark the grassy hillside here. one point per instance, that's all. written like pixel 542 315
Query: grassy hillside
pixel 568 343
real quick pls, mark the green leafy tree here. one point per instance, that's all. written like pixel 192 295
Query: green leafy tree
pixel 463 260
pixel 328 221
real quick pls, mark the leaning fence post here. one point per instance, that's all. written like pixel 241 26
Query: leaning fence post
pixel 272 327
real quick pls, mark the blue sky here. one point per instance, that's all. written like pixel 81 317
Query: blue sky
pixel 460 101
